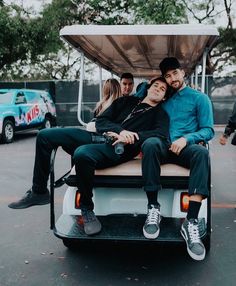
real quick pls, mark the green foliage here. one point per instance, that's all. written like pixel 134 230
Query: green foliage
pixel 159 12
pixel 33 41
pixel 13 36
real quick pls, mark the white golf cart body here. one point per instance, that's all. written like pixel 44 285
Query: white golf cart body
pixel 120 202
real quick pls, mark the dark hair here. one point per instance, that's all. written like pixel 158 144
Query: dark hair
pixel 169 63
pixel 160 78
pixel 127 75
pixel 169 90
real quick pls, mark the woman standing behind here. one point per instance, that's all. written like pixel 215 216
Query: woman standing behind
pixel 111 91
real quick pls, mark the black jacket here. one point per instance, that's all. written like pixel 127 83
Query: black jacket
pixel 231 126
pixel 154 122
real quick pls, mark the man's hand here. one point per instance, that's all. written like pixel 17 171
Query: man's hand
pixel 223 140
pixel 116 137
pixel 129 136
pixel 177 146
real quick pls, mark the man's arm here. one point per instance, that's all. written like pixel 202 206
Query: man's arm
pixel 205 122
pixel 142 91
pixel 229 128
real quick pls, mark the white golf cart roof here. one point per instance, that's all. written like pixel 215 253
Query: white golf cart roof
pixel 140 48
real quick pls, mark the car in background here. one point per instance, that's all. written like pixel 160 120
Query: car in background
pixel 22 109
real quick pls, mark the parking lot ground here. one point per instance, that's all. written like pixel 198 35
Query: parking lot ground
pixel 31 255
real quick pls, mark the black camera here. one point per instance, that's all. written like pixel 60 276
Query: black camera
pixel 119 147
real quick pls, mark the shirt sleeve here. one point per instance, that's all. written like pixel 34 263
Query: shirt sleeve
pixel 106 121
pixel 231 126
pixel 142 92
pixel 205 122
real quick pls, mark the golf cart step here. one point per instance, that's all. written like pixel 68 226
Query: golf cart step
pixel 119 227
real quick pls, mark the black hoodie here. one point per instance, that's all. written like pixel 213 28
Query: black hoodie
pixel 145 120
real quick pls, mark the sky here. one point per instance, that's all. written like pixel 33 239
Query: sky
pixel 36 4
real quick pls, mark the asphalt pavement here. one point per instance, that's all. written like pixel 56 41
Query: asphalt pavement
pixel 31 255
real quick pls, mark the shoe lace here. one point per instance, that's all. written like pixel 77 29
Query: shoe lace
pixel 88 215
pixel 193 232
pixel 153 216
pixel 27 195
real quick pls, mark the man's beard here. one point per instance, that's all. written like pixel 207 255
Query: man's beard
pixel 180 85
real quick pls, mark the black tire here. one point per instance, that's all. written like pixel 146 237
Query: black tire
pixel 207 242
pixel 8 130
pixel 72 245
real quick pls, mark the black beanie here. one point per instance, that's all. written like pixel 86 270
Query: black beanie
pixel 167 64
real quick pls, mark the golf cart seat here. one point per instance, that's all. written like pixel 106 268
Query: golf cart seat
pixel 129 174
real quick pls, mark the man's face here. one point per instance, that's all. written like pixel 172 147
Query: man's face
pixel 157 91
pixel 127 86
pixel 175 78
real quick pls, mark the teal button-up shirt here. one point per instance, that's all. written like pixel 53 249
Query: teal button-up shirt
pixel 191 116
pixel 190 113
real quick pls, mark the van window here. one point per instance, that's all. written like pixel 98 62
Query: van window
pixel 32 97
pixel 20 98
pixel 6 97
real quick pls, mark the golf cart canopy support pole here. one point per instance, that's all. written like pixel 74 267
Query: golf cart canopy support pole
pixel 204 57
pixel 81 81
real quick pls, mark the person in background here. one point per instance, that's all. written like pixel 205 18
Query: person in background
pixel 229 129
pixel 126 83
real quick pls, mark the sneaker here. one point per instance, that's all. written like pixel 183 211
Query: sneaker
pixel 31 199
pixel 190 232
pixel 91 224
pixel 151 227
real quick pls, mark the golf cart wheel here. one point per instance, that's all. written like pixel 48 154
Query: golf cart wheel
pixel 207 242
pixel 70 244
pixel 8 131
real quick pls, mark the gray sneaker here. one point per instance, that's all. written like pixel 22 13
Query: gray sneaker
pixel 91 224
pixel 190 232
pixel 31 199
pixel 151 228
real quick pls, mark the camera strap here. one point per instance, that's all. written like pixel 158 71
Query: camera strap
pixel 137 110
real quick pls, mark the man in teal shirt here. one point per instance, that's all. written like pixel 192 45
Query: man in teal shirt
pixel 191 123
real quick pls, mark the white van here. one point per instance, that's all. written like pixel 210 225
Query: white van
pixel 120 202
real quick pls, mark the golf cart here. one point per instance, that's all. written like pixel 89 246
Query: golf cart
pixel 120 202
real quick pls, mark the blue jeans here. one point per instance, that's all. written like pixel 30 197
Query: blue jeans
pixel 194 157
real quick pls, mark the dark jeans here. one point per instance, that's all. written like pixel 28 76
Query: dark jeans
pixel 194 157
pixel 86 156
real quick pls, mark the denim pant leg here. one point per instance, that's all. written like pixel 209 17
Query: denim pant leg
pixel 47 140
pixel 155 152
pixel 196 158
pixel 87 158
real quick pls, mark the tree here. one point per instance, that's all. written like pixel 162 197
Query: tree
pixel 159 12
pixel 209 12
pixel 34 41
pixel 13 36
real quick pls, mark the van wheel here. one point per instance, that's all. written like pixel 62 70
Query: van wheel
pixel 7 131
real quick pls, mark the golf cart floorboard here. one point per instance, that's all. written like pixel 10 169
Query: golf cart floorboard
pixel 119 227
